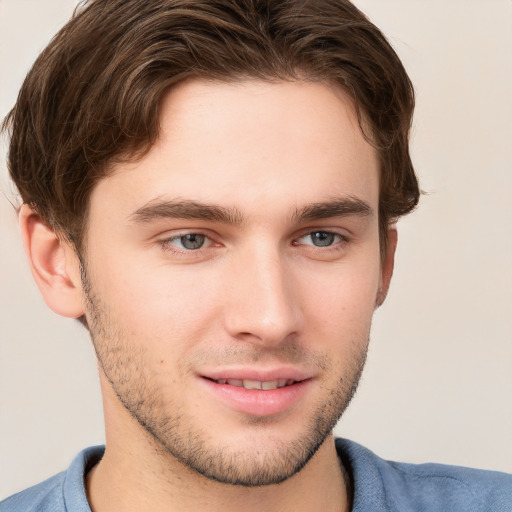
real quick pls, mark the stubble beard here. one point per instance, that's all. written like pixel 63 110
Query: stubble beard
pixel 193 446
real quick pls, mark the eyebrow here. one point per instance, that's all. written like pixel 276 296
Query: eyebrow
pixel 334 208
pixel 193 210
pixel 185 209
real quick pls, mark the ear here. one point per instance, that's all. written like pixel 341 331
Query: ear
pixel 387 265
pixel 54 265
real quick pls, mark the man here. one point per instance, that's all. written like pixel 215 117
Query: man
pixel 211 188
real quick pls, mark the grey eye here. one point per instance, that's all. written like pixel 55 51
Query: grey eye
pixel 322 238
pixel 192 241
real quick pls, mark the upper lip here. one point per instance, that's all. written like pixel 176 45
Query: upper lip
pixel 255 374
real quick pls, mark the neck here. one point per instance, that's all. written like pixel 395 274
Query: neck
pixel 136 474
pixel 125 481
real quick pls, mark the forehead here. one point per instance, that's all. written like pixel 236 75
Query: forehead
pixel 249 144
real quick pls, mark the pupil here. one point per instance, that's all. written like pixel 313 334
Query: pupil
pixel 322 239
pixel 192 241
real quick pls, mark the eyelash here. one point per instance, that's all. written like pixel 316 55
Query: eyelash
pixel 342 239
pixel 167 243
pixel 337 245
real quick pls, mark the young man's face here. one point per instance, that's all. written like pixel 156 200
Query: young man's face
pixel 242 251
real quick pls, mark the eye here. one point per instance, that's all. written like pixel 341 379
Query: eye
pixel 188 242
pixel 321 238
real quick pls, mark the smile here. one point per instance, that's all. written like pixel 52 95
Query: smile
pixel 258 395
pixel 256 384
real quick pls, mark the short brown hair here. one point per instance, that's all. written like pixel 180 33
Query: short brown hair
pixel 92 97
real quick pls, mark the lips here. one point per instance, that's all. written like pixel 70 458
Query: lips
pixel 238 375
pixel 257 384
pixel 257 393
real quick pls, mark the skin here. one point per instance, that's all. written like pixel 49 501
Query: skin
pixel 269 282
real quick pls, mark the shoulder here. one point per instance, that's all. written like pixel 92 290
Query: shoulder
pixel 46 496
pixel 385 485
pixel 60 493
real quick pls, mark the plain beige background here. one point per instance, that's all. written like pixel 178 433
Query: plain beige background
pixel 438 384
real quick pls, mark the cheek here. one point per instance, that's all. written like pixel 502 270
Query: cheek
pixel 341 302
pixel 166 306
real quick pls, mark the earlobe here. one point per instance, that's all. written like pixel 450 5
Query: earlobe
pixel 387 265
pixel 54 265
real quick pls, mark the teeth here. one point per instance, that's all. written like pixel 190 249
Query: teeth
pixel 271 384
pixel 256 384
pixel 252 384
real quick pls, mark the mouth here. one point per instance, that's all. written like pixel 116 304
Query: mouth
pixel 267 385
pixel 258 393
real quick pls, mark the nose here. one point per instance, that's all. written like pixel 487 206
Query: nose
pixel 263 305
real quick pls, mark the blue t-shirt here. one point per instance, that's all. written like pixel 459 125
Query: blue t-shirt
pixel 378 486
